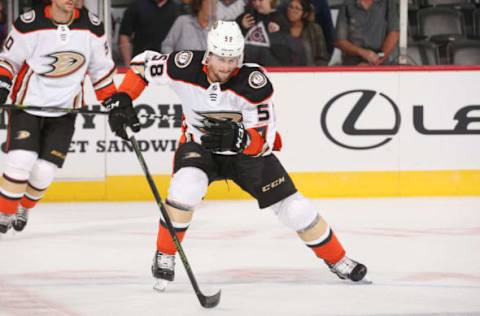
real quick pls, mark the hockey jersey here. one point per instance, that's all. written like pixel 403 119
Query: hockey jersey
pixel 246 97
pixel 50 61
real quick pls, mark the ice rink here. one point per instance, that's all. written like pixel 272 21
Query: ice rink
pixel 93 259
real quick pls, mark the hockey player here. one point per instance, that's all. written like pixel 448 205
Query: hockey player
pixel 229 132
pixel 49 51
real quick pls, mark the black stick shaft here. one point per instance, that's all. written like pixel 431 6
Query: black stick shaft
pixel 205 301
pixel 53 109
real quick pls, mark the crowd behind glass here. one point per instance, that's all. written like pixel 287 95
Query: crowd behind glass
pixel 298 32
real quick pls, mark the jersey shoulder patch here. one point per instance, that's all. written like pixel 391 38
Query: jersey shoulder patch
pixel 89 21
pixel 185 65
pixel 183 59
pixel 252 83
pixel 28 17
pixel 257 79
pixel 32 20
pixel 94 19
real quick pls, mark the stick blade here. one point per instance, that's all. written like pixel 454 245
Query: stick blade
pixel 209 301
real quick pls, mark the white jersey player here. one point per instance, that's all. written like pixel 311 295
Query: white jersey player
pixel 229 133
pixel 49 52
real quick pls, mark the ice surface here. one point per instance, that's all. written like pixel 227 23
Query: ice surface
pixel 91 259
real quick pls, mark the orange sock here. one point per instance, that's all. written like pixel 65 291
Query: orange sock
pixel 330 249
pixel 32 196
pixel 9 205
pixel 28 202
pixel 12 190
pixel 164 240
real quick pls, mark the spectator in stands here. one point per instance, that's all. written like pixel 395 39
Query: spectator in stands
pixel 308 33
pixel 3 23
pixel 323 17
pixel 229 10
pixel 189 32
pixel 185 6
pixel 145 23
pixel 368 32
pixel 266 34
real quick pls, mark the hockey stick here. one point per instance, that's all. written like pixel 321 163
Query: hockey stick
pixel 54 109
pixel 206 301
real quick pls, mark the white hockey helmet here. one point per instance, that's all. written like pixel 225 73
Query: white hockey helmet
pixel 225 39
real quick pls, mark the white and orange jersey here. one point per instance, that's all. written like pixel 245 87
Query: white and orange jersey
pixel 246 97
pixel 50 61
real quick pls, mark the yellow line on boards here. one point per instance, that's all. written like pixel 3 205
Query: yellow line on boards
pixel 311 184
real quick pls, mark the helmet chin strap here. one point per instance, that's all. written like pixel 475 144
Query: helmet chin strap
pixel 205 57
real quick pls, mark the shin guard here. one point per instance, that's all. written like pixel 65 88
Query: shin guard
pixel 180 219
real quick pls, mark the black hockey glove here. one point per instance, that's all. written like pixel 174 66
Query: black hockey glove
pixel 224 135
pixel 122 114
pixel 5 85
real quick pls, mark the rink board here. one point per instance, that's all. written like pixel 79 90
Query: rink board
pixel 344 134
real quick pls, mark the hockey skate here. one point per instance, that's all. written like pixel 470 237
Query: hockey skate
pixel 349 269
pixel 163 270
pixel 20 220
pixel 5 222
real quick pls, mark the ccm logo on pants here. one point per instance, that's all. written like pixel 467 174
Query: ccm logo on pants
pixel 274 184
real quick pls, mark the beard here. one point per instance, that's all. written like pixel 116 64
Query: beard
pixel 220 77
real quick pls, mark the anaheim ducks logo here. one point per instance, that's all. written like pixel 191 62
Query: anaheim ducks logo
pixel 223 116
pixel 22 135
pixel 230 116
pixel 64 63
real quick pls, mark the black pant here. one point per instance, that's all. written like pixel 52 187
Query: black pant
pixel 50 137
pixel 263 177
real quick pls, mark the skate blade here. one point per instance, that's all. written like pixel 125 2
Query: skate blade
pixel 160 285
pixel 365 280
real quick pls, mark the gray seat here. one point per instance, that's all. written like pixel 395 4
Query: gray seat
pixel 422 53
pixel 433 3
pixel 466 52
pixel 476 23
pixel 440 23
pixel 466 7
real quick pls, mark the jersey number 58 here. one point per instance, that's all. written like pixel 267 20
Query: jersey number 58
pixel 156 70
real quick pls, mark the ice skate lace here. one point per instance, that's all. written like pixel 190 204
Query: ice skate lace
pixel 345 266
pixel 22 214
pixel 166 262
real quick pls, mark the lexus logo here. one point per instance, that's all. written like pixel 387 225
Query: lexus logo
pixel 351 134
